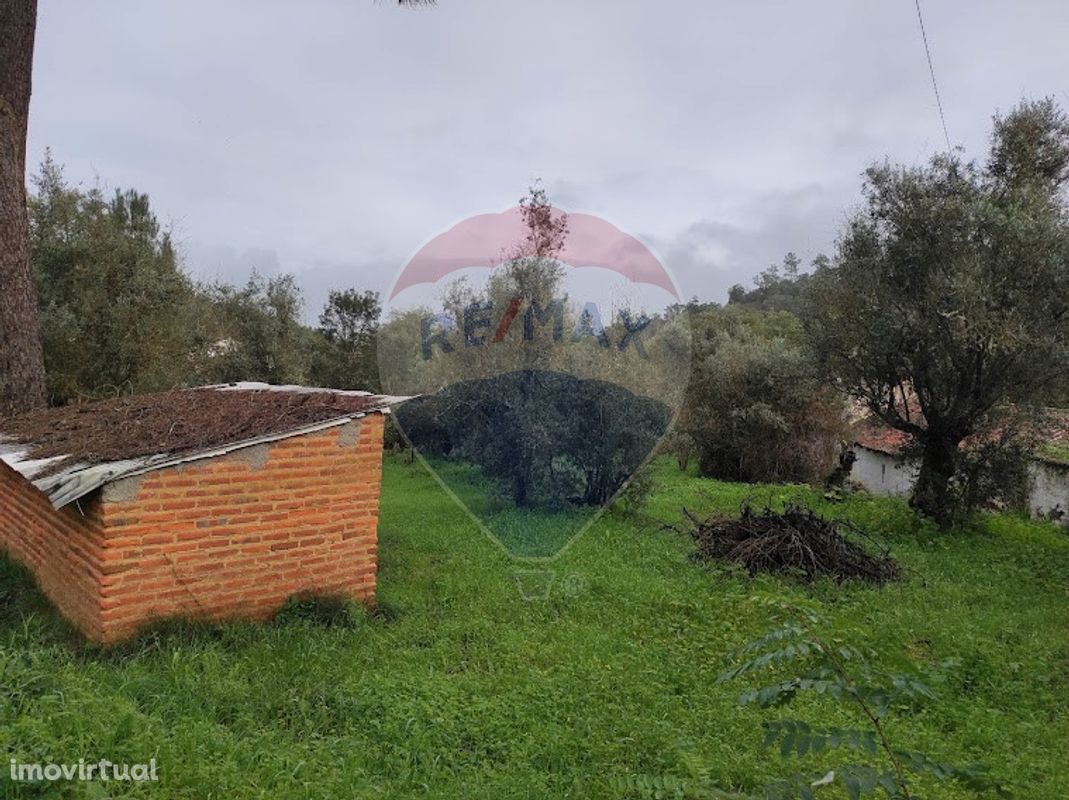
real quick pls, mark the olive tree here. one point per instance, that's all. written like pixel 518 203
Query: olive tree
pixel 948 301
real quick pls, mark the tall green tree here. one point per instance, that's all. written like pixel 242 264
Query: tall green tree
pixel 22 370
pixel 348 327
pixel 255 333
pixel 116 308
pixel 948 300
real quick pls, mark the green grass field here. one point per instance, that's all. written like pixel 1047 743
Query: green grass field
pixel 458 687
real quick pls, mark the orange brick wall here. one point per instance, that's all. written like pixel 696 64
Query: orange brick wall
pixel 64 549
pixel 228 537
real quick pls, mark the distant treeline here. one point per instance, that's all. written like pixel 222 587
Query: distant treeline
pixel 119 314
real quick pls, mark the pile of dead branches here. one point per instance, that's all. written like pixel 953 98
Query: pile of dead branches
pixel 795 541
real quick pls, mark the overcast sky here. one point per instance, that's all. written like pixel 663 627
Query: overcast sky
pixel 332 139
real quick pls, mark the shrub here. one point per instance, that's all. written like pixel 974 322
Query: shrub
pixel 996 475
pixel 553 438
pixel 636 495
pixel 756 410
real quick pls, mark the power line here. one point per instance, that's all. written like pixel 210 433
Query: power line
pixel 931 70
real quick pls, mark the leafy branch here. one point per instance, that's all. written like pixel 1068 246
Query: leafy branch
pixel 841 672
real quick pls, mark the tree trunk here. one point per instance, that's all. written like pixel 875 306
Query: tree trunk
pixel 22 369
pixel 939 463
pixel 519 488
pixel 683 457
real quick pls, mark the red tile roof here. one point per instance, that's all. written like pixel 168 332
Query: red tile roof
pixel 874 434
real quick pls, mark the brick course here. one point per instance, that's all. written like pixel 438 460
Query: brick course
pixel 220 538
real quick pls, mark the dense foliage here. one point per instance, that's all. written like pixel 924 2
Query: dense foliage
pixel 551 437
pixel 348 325
pixel 560 407
pixel 944 307
pixel 120 315
pixel 254 332
pixel 756 408
pixel 116 309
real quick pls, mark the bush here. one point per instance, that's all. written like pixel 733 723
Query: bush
pixel 553 438
pixel 756 410
pixel 993 476
pixel 635 496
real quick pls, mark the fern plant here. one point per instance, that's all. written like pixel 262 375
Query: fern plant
pixel 806 662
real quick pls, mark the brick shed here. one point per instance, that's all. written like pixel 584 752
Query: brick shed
pixel 218 502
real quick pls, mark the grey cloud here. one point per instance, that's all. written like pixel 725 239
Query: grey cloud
pixel 227 264
pixel 709 256
pixel 341 135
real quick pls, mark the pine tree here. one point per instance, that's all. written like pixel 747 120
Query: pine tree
pixel 22 369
